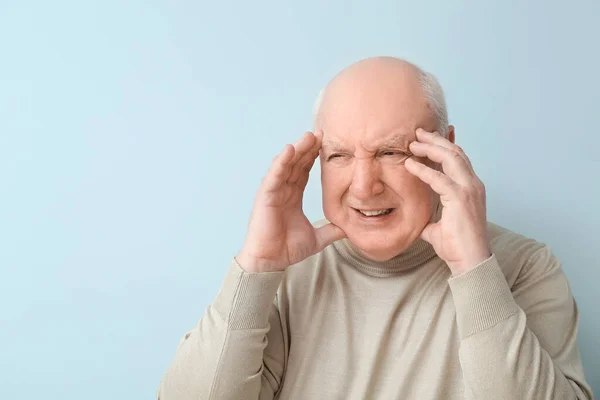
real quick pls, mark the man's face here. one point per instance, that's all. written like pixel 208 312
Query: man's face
pixel 366 133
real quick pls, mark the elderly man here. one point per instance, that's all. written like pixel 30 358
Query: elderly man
pixel 405 291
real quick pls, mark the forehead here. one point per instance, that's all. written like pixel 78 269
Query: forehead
pixel 372 115
pixel 375 126
pixel 394 139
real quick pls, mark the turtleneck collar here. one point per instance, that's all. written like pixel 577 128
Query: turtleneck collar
pixel 417 254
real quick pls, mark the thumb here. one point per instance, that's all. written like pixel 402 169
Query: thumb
pixel 429 232
pixel 328 234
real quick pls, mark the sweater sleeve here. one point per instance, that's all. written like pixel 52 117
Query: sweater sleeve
pixel 519 344
pixel 236 350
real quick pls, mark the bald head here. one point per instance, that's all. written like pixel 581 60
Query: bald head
pixel 378 68
pixel 388 81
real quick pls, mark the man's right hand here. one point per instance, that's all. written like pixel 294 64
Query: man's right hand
pixel 279 234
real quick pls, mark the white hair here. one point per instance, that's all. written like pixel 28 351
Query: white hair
pixel 436 100
pixel 433 92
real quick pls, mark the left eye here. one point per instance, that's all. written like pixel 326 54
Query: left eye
pixel 390 153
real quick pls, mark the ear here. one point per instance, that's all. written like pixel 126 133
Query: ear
pixel 450 135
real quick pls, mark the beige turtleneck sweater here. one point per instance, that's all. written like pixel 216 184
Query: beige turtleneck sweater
pixel 339 326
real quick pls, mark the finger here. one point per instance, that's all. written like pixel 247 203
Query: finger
pixel 453 164
pixel 303 176
pixel 432 137
pixel 301 169
pixel 439 182
pixel 303 149
pixel 303 145
pixel 328 234
pixel 435 138
pixel 280 169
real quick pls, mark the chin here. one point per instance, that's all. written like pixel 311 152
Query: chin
pixel 378 247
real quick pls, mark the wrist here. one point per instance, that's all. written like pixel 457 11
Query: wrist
pixel 470 263
pixel 257 265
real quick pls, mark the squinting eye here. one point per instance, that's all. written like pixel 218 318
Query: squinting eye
pixel 394 156
pixel 394 153
pixel 334 156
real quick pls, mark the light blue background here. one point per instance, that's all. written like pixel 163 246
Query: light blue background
pixel 133 135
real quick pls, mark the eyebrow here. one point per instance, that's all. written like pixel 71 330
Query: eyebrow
pixel 333 145
pixel 397 141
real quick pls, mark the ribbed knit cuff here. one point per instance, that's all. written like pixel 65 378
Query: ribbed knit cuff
pixel 482 298
pixel 245 299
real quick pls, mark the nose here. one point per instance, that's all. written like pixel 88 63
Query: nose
pixel 366 180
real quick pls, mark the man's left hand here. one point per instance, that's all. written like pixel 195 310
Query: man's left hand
pixel 460 236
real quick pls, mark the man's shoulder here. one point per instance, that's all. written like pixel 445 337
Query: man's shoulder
pixel 518 254
pixel 505 240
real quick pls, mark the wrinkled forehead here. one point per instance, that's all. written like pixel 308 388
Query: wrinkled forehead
pixel 395 139
pixel 374 124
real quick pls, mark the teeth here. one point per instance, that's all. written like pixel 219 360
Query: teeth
pixel 375 213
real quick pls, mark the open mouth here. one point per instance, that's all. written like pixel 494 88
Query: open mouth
pixel 375 213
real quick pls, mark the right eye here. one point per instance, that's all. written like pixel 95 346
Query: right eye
pixel 335 155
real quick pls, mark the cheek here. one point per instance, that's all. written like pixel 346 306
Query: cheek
pixel 334 181
pixel 398 178
pixel 333 186
pixel 410 188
